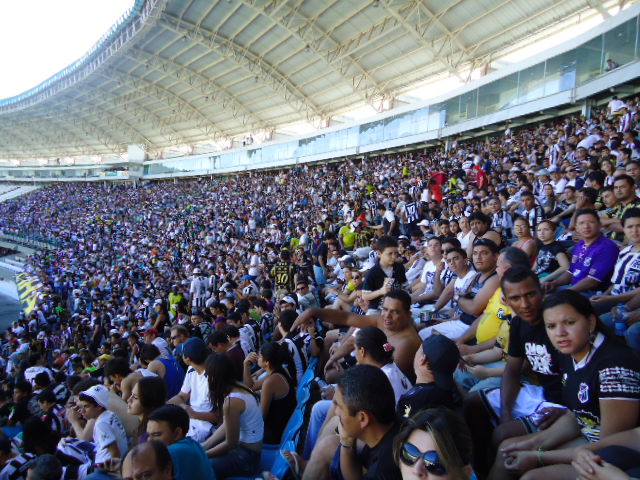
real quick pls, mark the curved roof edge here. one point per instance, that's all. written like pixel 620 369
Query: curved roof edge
pixel 140 9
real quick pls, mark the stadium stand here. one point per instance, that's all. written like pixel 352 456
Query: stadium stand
pixel 459 309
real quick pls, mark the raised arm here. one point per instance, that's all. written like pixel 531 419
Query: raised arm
pixel 337 317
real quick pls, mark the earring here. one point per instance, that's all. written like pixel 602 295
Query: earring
pixel 592 337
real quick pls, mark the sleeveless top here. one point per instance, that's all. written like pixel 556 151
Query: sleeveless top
pixel 251 423
pixel 279 412
pixel 173 376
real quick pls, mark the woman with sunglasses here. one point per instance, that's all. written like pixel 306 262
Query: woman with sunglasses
pixel 434 443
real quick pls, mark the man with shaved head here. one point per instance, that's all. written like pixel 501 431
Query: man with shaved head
pixel 148 461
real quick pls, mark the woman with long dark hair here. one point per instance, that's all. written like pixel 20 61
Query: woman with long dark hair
pixel 236 445
pixel 601 390
pixel 147 394
pixel 372 348
pixel 278 388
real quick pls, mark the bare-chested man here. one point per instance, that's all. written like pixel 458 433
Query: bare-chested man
pixel 395 321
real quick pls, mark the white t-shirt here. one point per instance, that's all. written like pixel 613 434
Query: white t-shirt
pixel 399 381
pixel 199 287
pixel 197 386
pixel 107 430
pixel 462 286
pixel 254 266
pixel 416 269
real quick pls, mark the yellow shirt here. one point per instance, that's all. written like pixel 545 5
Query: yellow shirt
pixel 348 237
pixel 492 317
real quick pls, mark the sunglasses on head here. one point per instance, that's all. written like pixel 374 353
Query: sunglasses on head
pixel 410 455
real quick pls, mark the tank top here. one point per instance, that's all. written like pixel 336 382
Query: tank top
pixel 279 412
pixel 251 423
pixel 173 376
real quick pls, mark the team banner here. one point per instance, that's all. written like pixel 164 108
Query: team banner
pixel 29 288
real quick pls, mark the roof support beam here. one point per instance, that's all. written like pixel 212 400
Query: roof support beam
pixel 315 38
pixel 216 93
pixel 402 17
pixel 178 103
pixel 599 6
pixel 242 56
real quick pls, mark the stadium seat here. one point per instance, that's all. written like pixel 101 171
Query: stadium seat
pixel 303 397
pixel 268 457
pixel 294 425
pixel 280 465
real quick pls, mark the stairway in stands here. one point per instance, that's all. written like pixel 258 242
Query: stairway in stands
pixel 9 191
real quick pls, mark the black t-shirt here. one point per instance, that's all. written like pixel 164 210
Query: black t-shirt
pixel 421 397
pixel 284 273
pixel 376 277
pixel 323 250
pixel 20 411
pixel 547 262
pixel 531 342
pixel 610 372
pixel 378 461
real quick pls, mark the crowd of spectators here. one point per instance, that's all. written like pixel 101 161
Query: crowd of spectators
pixel 474 309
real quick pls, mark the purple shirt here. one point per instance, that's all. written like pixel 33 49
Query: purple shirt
pixel 594 261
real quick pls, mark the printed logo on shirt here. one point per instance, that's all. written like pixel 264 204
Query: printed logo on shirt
pixel 539 358
pixel 583 393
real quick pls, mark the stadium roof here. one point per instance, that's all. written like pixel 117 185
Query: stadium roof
pixel 178 72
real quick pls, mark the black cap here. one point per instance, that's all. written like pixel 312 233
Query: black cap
pixel 443 356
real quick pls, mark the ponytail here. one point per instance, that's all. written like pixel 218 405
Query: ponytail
pixel 375 342
pixel 279 357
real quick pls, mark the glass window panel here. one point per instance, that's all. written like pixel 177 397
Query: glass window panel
pixel 352 137
pixel 372 132
pixel 531 83
pixel 498 95
pixel 452 109
pixel 420 120
pixel 391 127
pixel 406 124
pixel 469 105
pixel 560 73
pixel 620 43
pixel 589 57
pixel 437 113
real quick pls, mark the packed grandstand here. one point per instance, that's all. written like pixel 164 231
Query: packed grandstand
pixel 462 309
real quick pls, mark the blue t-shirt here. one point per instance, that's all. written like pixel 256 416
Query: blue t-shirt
pixel 190 461
pixel 594 261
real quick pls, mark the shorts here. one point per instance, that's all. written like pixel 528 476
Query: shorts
pixel 529 402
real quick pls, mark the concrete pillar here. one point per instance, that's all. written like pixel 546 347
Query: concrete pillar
pixel 586 108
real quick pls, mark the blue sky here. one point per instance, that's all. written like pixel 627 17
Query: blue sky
pixel 38 38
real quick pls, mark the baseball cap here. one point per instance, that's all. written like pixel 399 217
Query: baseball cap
pixel 289 299
pixel 423 223
pixel 345 258
pixel 443 356
pixel 197 270
pixel 151 331
pixel 99 394
pixel 196 349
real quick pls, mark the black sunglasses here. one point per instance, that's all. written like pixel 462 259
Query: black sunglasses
pixel 410 455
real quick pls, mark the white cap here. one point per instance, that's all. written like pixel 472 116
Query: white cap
pixel 100 394
pixel 196 270
pixel 423 223
pixel 288 299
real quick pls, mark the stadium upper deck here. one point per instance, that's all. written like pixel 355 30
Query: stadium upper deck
pixel 182 72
